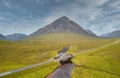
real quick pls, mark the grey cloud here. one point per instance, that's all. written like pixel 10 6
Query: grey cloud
pixel 81 11
pixel 100 16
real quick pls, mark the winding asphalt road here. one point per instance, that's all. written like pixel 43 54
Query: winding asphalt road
pixel 63 70
pixel 25 68
pixel 97 48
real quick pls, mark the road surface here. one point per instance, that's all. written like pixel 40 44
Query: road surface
pixel 25 68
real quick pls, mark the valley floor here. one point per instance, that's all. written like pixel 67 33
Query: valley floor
pixel 99 63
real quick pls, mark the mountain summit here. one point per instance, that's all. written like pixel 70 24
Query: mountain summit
pixel 62 25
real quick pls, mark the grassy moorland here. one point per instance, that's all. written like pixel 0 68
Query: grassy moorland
pixel 102 63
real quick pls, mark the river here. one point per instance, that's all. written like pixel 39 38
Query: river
pixel 62 71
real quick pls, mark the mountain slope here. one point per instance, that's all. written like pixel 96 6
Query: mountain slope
pixel 90 32
pixel 16 36
pixel 2 37
pixel 62 25
pixel 113 34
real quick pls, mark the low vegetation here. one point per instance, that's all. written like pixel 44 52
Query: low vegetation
pixel 102 63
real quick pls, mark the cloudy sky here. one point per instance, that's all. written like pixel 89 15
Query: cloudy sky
pixel 26 16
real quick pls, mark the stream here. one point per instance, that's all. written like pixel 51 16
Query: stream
pixel 62 71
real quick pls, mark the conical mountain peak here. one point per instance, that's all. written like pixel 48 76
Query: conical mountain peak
pixel 62 21
pixel 63 18
pixel 61 25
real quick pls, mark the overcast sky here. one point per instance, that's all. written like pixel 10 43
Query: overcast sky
pixel 26 16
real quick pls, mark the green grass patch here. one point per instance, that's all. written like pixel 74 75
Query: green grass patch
pixel 102 63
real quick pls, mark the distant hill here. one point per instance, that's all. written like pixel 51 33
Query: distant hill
pixel 2 37
pixel 113 34
pixel 63 25
pixel 16 36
